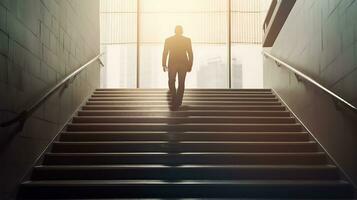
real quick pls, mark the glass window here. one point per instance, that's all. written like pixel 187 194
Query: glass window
pixel 118 41
pixel 247 34
pixel 204 21
pixel 120 66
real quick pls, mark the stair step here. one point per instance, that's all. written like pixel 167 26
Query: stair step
pixel 183 136
pixel 188 98
pixel 187 93
pixel 184 113
pixel 179 120
pixel 182 108
pixel 186 90
pixel 188 188
pixel 306 158
pixel 184 127
pixel 184 172
pixel 193 95
pixel 187 103
pixel 195 146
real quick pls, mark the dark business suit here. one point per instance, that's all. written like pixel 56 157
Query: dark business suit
pixel 179 50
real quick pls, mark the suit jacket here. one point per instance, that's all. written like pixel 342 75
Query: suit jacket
pixel 179 49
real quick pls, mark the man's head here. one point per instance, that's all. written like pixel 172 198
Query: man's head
pixel 178 30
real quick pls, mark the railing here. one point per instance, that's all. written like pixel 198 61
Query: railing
pixel 277 14
pixel 27 112
pixel 269 14
pixel 301 75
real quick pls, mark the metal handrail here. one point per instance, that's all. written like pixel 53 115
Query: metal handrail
pixel 26 113
pixel 269 14
pixel 309 79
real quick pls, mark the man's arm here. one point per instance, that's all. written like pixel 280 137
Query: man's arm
pixel 165 54
pixel 190 55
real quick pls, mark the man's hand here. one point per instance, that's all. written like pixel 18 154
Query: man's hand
pixel 165 68
pixel 190 67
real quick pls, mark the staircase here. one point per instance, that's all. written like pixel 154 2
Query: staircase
pixel 126 143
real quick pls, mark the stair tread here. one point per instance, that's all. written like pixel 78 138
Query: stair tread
pixel 253 127
pixel 213 112
pixel 183 124
pixel 154 112
pixel 188 117
pixel 187 188
pixel 186 99
pixel 186 166
pixel 183 136
pixel 178 158
pixel 187 89
pixel 182 172
pixel 166 96
pixel 185 142
pixel 190 106
pixel 185 94
pixel 186 132
pixel 271 95
pixel 184 104
pixel 185 153
pixel 70 183
pixel 184 108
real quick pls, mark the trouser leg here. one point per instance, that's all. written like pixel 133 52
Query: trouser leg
pixel 172 80
pixel 181 86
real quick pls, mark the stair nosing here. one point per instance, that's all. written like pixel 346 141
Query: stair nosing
pixel 193 182
pixel 189 153
pixel 187 166
pixel 186 142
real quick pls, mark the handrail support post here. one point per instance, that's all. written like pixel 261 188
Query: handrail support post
pixel 298 78
pixel 101 62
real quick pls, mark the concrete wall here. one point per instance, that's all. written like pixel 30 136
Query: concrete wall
pixel 40 42
pixel 319 38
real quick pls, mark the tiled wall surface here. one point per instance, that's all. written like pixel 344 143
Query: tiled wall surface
pixel 319 38
pixel 41 41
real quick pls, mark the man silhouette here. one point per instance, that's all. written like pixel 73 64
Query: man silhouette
pixel 179 49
